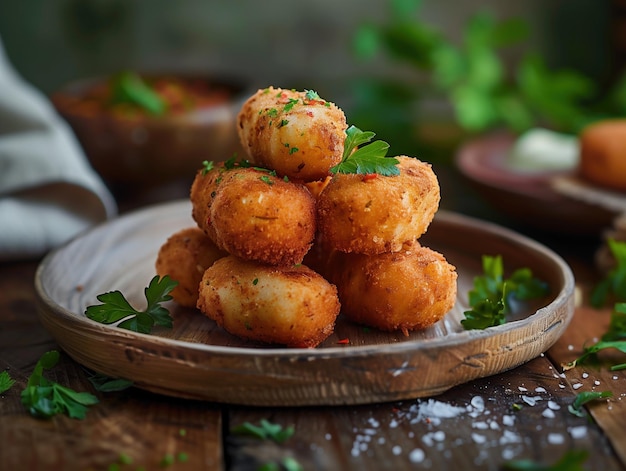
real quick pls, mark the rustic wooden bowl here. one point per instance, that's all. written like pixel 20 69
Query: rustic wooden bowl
pixel 196 359
pixel 153 150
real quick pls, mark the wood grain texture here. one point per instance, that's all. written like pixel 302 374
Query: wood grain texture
pixel 198 360
pixel 472 426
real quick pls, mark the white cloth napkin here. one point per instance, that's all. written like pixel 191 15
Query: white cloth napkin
pixel 48 191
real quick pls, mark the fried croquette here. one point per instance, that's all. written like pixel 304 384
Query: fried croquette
pixel 295 133
pixel 372 214
pixel 258 216
pixel 407 290
pixel 184 257
pixel 292 306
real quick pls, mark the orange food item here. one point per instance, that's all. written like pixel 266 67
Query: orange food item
pixel 603 154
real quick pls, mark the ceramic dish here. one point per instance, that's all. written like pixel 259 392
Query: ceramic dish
pixel 527 197
pixel 198 360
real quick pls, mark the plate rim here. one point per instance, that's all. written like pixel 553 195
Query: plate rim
pixel 562 301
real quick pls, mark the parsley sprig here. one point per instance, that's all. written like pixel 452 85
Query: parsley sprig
pixel 614 283
pixel 614 337
pixel 492 293
pixel 367 158
pixel 116 309
pixel 583 398
pixel 44 398
pixel 6 382
pixel 572 460
pixel 265 430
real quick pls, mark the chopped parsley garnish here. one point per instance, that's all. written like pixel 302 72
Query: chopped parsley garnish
pixel 572 460
pixel 312 95
pixel 46 399
pixel 266 179
pixel 614 337
pixel 105 383
pixel 116 309
pixel 615 281
pixel 128 87
pixel 283 122
pixel 490 297
pixel 207 166
pixel 583 398
pixel 265 430
pixel 368 157
pixel 290 104
pixel 6 382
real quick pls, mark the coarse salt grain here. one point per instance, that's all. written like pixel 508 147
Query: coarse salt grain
pixel 578 432
pixel 417 455
pixel 480 439
pixel 555 439
pixel 540 389
pixel 553 405
pixel 508 420
pixel 577 385
pixel 548 414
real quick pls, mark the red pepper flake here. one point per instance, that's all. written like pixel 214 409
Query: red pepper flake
pixel 309 114
pixel 315 102
pixel 369 176
pixel 343 341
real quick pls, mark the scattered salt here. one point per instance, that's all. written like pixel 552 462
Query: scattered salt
pixel 417 455
pixel 548 414
pixel 555 439
pixel 531 400
pixel 522 389
pixel 480 425
pixel 509 437
pixel 553 405
pixel 577 385
pixel 585 375
pixel 596 382
pixel 479 438
pixel 578 432
pixel 478 403
pixel 396 450
pixel 508 420
pixel 540 390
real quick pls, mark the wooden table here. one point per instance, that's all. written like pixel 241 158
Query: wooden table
pixel 520 414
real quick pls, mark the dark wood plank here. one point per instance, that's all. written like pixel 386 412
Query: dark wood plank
pixel 146 428
pixel 484 429
pixel 586 327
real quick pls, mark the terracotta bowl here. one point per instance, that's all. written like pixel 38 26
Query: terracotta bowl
pixel 128 148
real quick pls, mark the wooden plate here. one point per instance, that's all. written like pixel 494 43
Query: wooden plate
pixel 527 197
pixel 198 360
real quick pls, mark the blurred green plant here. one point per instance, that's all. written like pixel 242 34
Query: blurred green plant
pixel 483 91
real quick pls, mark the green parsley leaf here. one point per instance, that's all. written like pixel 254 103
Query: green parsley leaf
pixel 116 309
pixel 6 382
pixel 128 87
pixel 290 104
pixel 583 398
pixel 592 350
pixel 617 325
pixel 105 383
pixel 614 283
pixel 367 158
pixel 207 166
pixel 45 398
pixel 491 295
pixel 311 95
pixel 572 460
pixel 265 430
